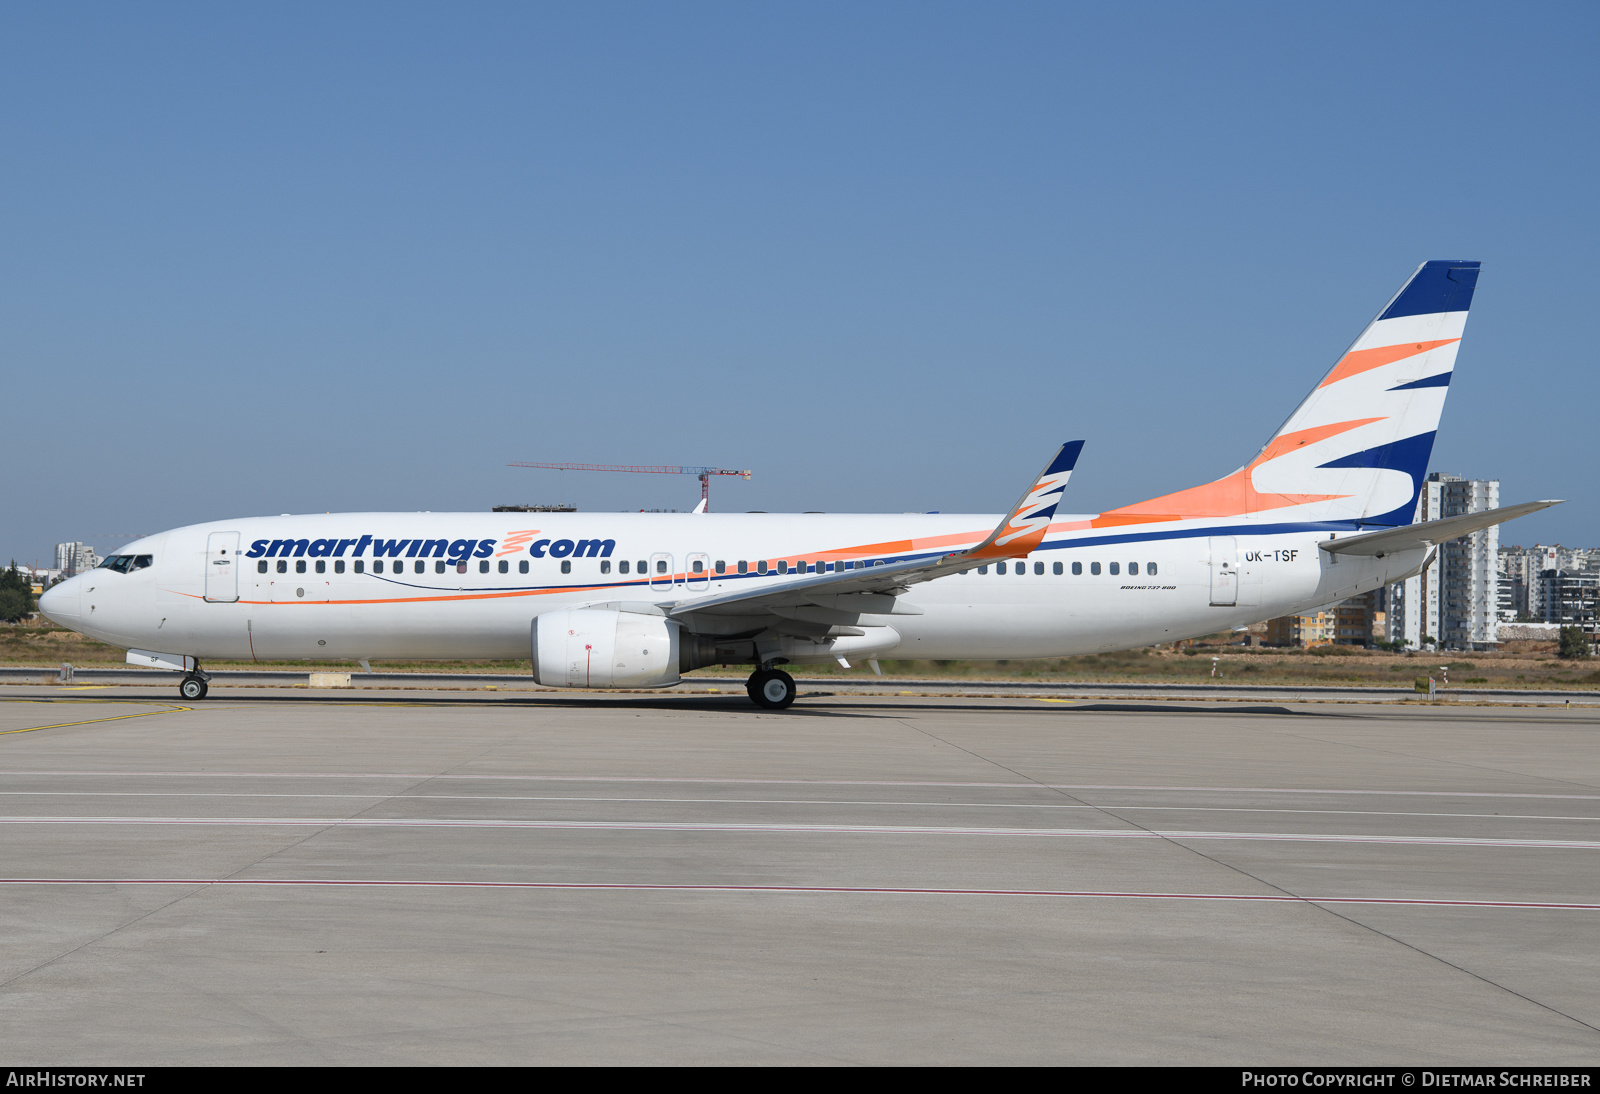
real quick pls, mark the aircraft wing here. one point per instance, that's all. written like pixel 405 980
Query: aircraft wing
pixel 1018 533
pixel 1429 533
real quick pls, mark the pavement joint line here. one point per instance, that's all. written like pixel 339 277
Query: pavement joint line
pixel 842 890
pixel 1186 845
pixel 697 781
pixel 866 802
pixel 1135 831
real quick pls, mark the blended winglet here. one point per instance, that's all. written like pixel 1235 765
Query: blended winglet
pixel 1024 527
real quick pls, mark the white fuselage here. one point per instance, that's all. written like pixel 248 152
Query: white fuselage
pixel 469 584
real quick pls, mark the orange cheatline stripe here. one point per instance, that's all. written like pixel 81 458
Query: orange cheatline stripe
pixel 1365 360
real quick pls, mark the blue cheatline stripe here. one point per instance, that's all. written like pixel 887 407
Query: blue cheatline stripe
pixel 1437 286
pixel 1440 380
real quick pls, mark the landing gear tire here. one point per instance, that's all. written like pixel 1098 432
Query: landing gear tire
pixel 193 688
pixel 772 689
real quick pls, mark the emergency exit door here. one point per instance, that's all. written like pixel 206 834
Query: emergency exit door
pixel 1224 571
pixel 222 567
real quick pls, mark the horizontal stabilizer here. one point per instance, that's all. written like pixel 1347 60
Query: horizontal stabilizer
pixel 1429 533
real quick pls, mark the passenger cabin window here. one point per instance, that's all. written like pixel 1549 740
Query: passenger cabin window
pixel 1133 568
pixel 438 567
pixel 299 565
pixel 698 567
pixel 744 567
pixel 422 566
pixel 1114 569
pixel 566 565
pixel 1056 569
pixel 999 567
pixel 605 565
pixel 983 569
pixel 461 567
pixel 722 567
pixel 360 566
pixel 643 568
pixel 783 566
pixel 1150 568
pixel 505 566
pixel 761 566
pixel 283 566
pixel 622 567
pixel 322 566
pixel 377 565
pixel 261 567
pixel 1038 568
pixel 1094 568
pixel 661 565
pixel 522 567
pixel 1077 567
pixel 338 565
pixel 483 567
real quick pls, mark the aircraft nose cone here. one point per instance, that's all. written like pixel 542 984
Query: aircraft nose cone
pixel 60 603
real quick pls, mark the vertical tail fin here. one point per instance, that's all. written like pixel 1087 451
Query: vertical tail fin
pixel 1357 447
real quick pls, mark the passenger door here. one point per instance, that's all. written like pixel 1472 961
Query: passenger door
pixel 222 567
pixel 1224 571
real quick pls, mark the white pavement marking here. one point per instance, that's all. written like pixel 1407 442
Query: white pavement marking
pixel 1265 898
pixel 458 777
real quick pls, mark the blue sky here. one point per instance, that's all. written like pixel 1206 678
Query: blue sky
pixel 298 258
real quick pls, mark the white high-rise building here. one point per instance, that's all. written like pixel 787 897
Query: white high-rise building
pixel 75 558
pixel 1455 601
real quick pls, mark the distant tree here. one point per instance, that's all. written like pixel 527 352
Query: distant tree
pixel 1574 644
pixel 16 595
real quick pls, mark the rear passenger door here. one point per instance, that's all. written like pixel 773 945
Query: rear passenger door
pixel 1224 571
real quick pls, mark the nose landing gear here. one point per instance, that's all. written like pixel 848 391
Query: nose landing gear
pixel 194 686
pixel 772 689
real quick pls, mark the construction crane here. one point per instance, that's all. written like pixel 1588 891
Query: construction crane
pixel 704 474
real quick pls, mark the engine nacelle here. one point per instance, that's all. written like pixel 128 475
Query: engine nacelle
pixel 601 648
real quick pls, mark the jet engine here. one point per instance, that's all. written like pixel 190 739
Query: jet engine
pixel 603 648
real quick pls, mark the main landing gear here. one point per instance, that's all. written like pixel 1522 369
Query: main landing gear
pixel 771 688
pixel 194 686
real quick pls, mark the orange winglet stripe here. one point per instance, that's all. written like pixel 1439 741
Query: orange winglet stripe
pixel 1365 360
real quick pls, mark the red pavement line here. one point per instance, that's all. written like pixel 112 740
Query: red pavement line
pixel 578 886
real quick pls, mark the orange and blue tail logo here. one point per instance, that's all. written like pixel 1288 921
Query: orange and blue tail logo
pixel 1356 449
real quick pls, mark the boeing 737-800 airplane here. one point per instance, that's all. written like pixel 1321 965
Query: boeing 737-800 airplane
pixel 1323 512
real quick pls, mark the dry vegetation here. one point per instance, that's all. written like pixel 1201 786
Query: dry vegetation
pixel 1536 666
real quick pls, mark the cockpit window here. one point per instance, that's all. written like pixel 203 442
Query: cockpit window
pixel 127 563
